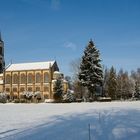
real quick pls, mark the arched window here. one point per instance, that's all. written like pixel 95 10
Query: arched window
pixel 46 77
pixel 30 78
pixel 38 78
pixel 29 89
pixel 8 79
pixel 7 89
pixel 14 89
pixel 46 89
pixel 37 88
pixel 22 89
pixel 23 78
pixel 15 79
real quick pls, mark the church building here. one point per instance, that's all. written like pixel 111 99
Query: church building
pixel 29 77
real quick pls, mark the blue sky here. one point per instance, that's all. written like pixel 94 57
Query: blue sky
pixel 40 30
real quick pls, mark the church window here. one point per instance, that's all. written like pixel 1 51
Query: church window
pixel 23 78
pixel 46 89
pixel 7 89
pixel 30 78
pixel 8 79
pixel 14 89
pixel 37 88
pixel 38 78
pixel 46 77
pixel 22 89
pixel 15 79
pixel 29 89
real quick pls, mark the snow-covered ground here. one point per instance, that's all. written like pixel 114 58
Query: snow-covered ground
pixel 108 121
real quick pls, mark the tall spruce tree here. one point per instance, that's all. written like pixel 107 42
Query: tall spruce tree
pixel 91 72
pixel 112 83
pixel 105 82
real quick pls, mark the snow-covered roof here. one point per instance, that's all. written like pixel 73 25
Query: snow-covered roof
pixel 53 81
pixel 30 66
pixel 1 82
pixel 65 81
pixel 56 72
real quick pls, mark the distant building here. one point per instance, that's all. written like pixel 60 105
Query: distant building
pixel 29 77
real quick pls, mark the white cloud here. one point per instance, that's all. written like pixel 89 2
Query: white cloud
pixel 70 45
pixel 55 4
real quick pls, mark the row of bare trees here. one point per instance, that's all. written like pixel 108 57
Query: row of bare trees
pixel 121 85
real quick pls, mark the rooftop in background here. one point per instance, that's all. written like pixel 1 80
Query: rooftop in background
pixel 30 66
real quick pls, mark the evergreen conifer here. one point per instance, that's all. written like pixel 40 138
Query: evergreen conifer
pixel 91 72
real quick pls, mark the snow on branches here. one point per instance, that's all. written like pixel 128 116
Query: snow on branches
pixel 91 73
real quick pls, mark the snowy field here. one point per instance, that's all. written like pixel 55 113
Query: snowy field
pixel 108 121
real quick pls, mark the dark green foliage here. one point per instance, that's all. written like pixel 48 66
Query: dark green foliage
pixel 37 96
pixel 3 97
pixel 16 101
pixel 112 84
pixel 22 100
pixel 69 96
pixel 91 73
pixel 137 90
pixel 58 90
pixel 136 76
pixel 105 82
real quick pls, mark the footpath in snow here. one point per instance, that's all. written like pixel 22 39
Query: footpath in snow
pixel 74 121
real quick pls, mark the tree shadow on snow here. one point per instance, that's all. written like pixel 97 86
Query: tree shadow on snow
pixel 112 124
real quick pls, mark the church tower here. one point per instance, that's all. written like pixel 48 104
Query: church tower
pixel 2 62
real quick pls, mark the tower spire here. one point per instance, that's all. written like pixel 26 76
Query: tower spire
pixel 2 62
pixel 0 36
